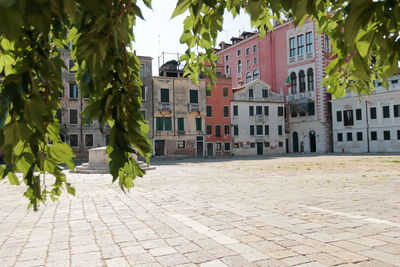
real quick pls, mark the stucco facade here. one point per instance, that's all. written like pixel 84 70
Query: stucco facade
pixel 179 108
pixel 368 124
pixel 258 124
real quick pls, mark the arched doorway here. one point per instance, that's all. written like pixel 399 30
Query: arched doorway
pixel 295 142
pixel 313 141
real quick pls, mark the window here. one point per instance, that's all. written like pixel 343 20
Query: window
pixel 293 80
pixel 300 44
pixel 62 138
pixel 386 112
pixel 292 47
pixel 218 146
pixel 181 124
pixel 254 48
pixel 374 136
pixel 142 70
pixel 266 111
pixel 386 135
pixel 227 146
pixel 265 93
pixel 194 96
pixel 255 61
pixel 398 134
pixel 163 124
pixel 259 130
pixel 143 92
pixel 227 129
pixel 280 144
pixel 266 129
pixel 251 93
pixel 359 136
pixel 209 111
pixel 349 136
pixel 256 74
pixel 280 111
pixel 73 140
pixel 181 144
pixel 340 137
pixel 259 110
pixel 239 66
pixel 238 52
pixel 164 95
pixel 372 111
pixel 73 116
pixel 396 111
pixel 198 124
pixel 247 51
pixel 209 129
pixel 348 118
pixel 226 57
pixel 71 64
pixel 251 129
pixel 248 77
pixel 226 111
pixel 218 130
pixel 311 108
pixel 266 144
pixel 235 110
pixel 88 140
pixel 309 42
pixel 73 91
pixel 394 82
pixel 227 71
pixel 225 91
pixel 235 130
pixel 247 63
pixel 302 81
pixel 251 111
pixel 358 114
pixel 280 130
pixel 310 79
pixel 59 116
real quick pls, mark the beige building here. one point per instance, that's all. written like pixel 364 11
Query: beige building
pixel 368 124
pixel 258 121
pixel 179 108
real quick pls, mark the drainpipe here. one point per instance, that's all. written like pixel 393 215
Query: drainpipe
pixel 366 118
pixel 173 95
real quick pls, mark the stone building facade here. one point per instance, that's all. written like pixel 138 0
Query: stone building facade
pixel 179 109
pixel 258 122
pixel 368 124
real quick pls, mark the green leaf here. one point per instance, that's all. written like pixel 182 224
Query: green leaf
pixel 12 177
pixel 181 7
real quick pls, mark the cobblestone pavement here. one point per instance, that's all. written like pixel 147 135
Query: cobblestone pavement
pixel 290 211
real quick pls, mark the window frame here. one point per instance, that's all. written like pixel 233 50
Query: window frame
pixel 77 116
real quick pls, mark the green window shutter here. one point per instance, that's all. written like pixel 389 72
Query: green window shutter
pixel 194 96
pixel 168 124
pixel 164 95
pixel 159 124
pixel 266 129
pixel 226 92
pixel 181 124
pixel 198 124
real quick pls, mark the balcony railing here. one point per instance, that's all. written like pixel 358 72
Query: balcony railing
pixel 165 106
pixel 194 107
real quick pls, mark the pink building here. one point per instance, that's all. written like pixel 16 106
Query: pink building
pixel 300 53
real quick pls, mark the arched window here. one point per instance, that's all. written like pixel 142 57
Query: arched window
pixel 239 66
pixel 256 74
pixel 302 81
pixel 293 79
pixel 248 77
pixel 227 71
pixel 310 79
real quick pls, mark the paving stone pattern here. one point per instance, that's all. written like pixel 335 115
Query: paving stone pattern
pixel 208 213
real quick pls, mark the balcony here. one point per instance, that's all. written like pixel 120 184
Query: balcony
pixel 310 94
pixel 259 118
pixel 165 106
pixel 194 107
pixel 181 132
pixel 300 58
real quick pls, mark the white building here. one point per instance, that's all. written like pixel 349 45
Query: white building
pixel 258 122
pixel 368 124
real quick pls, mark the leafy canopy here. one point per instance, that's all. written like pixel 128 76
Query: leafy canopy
pixel 34 34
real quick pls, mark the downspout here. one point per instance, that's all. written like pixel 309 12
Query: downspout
pixel 366 118
pixel 174 114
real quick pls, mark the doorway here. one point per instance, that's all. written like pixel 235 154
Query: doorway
pixel 295 142
pixel 159 147
pixel 210 149
pixel 199 146
pixel 260 148
pixel 313 142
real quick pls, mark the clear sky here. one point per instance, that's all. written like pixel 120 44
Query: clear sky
pixel 158 33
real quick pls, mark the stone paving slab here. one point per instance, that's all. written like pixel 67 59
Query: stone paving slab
pixel 216 212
